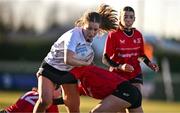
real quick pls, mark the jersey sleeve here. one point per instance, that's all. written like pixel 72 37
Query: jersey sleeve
pixel 109 45
pixel 20 106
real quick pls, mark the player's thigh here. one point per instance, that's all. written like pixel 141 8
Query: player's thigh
pixel 45 88
pixel 138 85
pixel 71 97
pixel 71 94
pixel 111 104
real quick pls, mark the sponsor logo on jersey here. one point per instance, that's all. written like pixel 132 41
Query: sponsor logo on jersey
pixel 126 94
pixel 122 41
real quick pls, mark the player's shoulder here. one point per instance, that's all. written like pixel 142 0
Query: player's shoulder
pixel 30 93
pixel 76 31
pixel 76 34
pixel 115 31
pixel 137 31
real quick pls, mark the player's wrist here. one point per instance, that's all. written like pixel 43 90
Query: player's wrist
pixel 119 66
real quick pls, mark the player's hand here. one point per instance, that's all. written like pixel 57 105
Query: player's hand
pixel 90 59
pixel 126 68
pixel 154 67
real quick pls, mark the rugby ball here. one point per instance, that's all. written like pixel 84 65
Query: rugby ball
pixel 84 52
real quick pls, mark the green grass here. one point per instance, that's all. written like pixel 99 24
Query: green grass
pixel 9 97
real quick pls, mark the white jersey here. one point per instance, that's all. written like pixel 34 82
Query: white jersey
pixel 69 40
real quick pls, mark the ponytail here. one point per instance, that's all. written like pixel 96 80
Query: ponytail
pixel 108 17
pixel 105 16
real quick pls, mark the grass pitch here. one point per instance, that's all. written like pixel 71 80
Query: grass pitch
pixel 9 97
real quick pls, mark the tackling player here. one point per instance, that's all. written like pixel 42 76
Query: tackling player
pixel 114 91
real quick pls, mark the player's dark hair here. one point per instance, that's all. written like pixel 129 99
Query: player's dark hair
pixel 88 17
pixel 105 16
pixel 128 8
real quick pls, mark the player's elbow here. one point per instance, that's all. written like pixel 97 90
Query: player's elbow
pixel 67 60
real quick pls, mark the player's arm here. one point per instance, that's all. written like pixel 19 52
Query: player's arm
pixel 124 67
pixel 109 50
pixel 70 59
pixel 146 60
pixel 107 61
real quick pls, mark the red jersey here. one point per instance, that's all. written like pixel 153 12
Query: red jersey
pixel 122 48
pixel 26 104
pixel 97 82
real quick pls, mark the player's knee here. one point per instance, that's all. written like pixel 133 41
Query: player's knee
pixel 45 102
pixel 137 100
pixel 129 93
pixel 72 102
pixel 73 106
pixel 96 111
pixel 93 111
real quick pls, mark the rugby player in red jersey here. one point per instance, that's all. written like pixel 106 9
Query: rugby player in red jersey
pixel 26 103
pixel 124 49
pixel 115 92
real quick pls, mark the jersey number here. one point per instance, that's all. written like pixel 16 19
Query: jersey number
pixel 31 99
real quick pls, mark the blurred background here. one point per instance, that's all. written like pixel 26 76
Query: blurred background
pixel 28 28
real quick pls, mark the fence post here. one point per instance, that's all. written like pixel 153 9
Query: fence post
pixel 167 80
